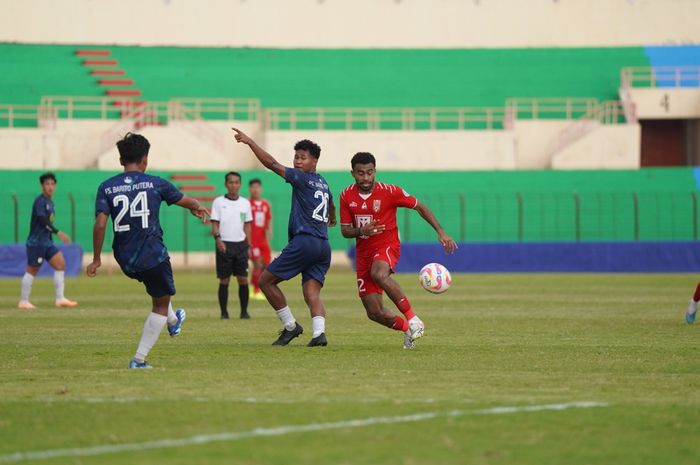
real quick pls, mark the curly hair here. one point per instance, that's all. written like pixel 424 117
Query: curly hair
pixel 362 158
pixel 310 147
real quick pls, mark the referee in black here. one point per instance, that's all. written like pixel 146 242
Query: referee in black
pixel 231 219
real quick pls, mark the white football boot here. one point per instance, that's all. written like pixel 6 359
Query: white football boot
pixel 408 342
pixel 416 328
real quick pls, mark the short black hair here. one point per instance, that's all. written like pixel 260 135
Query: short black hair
pixel 46 176
pixel 310 147
pixel 232 173
pixel 254 181
pixel 362 158
pixel 132 148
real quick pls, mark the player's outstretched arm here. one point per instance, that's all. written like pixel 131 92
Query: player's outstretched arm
pixel 447 242
pixel 98 239
pixel 265 158
pixel 194 207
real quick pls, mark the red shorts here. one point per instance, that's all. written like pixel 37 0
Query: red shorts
pixel 365 283
pixel 262 250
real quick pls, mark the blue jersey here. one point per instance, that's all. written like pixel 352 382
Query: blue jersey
pixel 40 234
pixel 133 201
pixel 310 201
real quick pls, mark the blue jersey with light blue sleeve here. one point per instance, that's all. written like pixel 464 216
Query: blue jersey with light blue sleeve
pixel 133 201
pixel 39 233
pixel 311 198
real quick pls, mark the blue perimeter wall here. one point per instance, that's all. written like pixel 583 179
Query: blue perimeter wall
pixel 13 260
pixel 555 257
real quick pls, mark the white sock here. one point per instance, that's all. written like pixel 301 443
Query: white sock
pixel 286 317
pixel 318 323
pixel 27 281
pixel 172 319
pixel 59 284
pixel 693 307
pixel 151 330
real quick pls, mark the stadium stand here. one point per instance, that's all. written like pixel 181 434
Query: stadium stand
pixel 493 206
pixel 32 71
pixel 326 78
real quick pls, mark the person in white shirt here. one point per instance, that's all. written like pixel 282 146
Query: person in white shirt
pixel 231 218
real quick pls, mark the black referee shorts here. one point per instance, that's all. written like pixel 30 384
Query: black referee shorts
pixel 234 261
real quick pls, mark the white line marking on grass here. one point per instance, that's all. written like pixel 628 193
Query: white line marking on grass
pixel 244 400
pixel 284 430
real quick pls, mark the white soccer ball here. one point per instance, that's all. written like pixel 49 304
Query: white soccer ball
pixel 435 278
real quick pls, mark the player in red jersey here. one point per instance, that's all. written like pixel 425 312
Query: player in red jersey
pixel 368 213
pixel 261 233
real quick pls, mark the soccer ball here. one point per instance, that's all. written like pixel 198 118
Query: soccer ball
pixel 435 278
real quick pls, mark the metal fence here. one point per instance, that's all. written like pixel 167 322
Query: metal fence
pixel 660 76
pixel 467 216
pixel 54 107
pixel 143 112
pixel 566 216
pixel 550 108
pixel 368 119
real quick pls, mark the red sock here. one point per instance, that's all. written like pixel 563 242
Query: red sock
pixel 696 296
pixel 256 280
pixel 400 324
pixel 405 307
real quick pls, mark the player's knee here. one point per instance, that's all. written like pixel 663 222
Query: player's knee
pixel 265 281
pixel 374 314
pixel 224 281
pixel 312 299
pixel 380 277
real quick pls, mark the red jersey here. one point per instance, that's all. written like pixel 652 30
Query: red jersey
pixel 358 210
pixel 262 215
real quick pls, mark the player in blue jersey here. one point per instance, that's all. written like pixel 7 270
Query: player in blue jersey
pixel 308 251
pixel 133 200
pixel 40 246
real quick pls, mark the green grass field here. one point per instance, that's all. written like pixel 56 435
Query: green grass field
pixel 220 392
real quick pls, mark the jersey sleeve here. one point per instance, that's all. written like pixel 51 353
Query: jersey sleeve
pixel 248 212
pixel 216 210
pixel 268 214
pixel 170 193
pixel 101 202
pixel 295 177
pixel 345 216
pixel 403 198
pixel 40 207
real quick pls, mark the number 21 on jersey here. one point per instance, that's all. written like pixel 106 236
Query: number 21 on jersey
pixel 136 209
pixel 321 211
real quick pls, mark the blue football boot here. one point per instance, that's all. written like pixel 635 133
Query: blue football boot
pixel 175 329
pixel 136 364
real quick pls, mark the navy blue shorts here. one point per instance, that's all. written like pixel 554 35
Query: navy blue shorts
pixel 36 254
pixel 158 280
pixel 308 255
